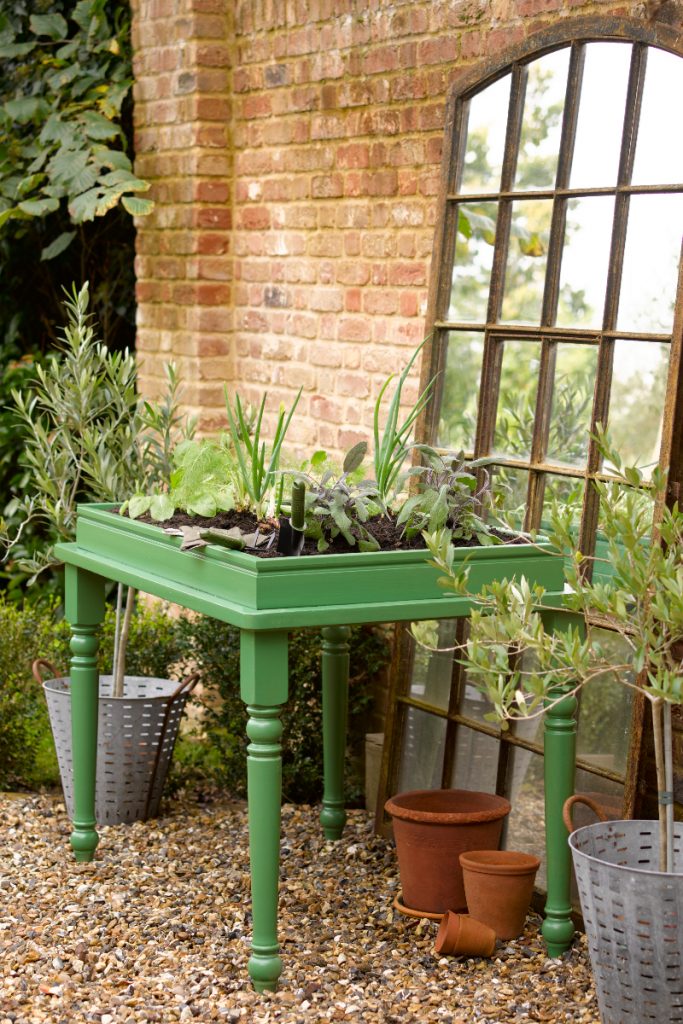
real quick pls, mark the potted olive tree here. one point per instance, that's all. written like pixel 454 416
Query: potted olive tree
pixel 630 874
pixel 88 436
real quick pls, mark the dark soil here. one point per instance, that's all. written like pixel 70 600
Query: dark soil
pixel 383 528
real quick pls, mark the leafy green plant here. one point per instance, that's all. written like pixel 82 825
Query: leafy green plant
pixel 61 139
pixel 392 444
pixel 256 465
pixel 30 630
pixel 640 596
pixel 448 498
pixel 236 471
pixel 214 648
pixel 200 483
pixel 86 434
pixel 340 506
pixel 87 437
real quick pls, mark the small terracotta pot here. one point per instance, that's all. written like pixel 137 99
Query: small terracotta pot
pixel 461 935
pixel 432 827
pixel 498 887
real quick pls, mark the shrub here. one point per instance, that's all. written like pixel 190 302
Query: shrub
pixel 30 631
pixel 165 646
pixel 214 647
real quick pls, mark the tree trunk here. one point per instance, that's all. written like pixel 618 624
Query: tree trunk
pixel 120 669
pixel 660 762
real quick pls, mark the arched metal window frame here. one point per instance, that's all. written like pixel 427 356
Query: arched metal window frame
pixel 574 33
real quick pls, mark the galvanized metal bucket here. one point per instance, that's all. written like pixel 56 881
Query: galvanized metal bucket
pixel 136 735
pixel 633 915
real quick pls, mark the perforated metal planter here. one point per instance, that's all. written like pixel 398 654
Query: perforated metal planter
pixel 136 734
pixel 633 916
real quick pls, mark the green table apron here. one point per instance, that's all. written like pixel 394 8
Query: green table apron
pixel 264 599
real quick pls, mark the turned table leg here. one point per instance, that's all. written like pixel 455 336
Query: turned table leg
pixel 335 709
pixel 84 610
pixel 263 670
pixel 559 758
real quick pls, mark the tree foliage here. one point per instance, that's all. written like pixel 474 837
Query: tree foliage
pixel 62 139
pixel 67 187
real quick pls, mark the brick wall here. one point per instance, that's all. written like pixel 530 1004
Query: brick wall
pixel 294 148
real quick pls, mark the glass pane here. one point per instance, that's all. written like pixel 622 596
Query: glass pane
pixel 640 513
pixel 526 822
pixel 605 711
pixel 653 248
pixel 474 705
pixel 422 754
pixel 526 263
pixel 565 490
pixel 542 121
pixel 659 149
pixel 572 403
pixel 517 398
pixel 458 421
pixel 509 492
pixel 433 665
pixel 601 115
pixel 607 794
pixel 486 138
pixel 585 259
pixel 476 761
pixel 473 262
pixel 637 400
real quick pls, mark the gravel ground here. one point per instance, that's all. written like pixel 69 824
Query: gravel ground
pixel 157 929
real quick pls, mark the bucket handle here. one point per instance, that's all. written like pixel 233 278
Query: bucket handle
pixel 579 798
pixel 43 663
pixel 188 684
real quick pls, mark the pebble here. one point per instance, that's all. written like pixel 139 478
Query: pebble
pixel 157 929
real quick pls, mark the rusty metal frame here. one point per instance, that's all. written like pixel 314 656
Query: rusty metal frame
pixel 576 34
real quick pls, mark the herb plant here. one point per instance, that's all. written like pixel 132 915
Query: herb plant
pixel 392 443
pixel 256 467
pixel 339 506
pixel 87 437
pixel 448 497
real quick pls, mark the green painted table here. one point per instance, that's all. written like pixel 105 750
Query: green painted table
pixel 265 598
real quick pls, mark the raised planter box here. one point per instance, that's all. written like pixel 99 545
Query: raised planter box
pixel 381 586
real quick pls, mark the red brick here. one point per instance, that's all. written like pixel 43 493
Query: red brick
pixel 213 217
pixel 352 272
pixel 255 218
pixel 354 329
pixel 327 186
pixel 256 106
pixel 353 155
pixel 211 192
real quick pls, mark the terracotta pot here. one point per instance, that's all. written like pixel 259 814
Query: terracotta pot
pixel 399 905
pixel 432 827
pixel 461 935
pixel 498 887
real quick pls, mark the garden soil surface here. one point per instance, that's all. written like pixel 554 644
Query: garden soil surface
pixel 157 928
pixel 384 529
